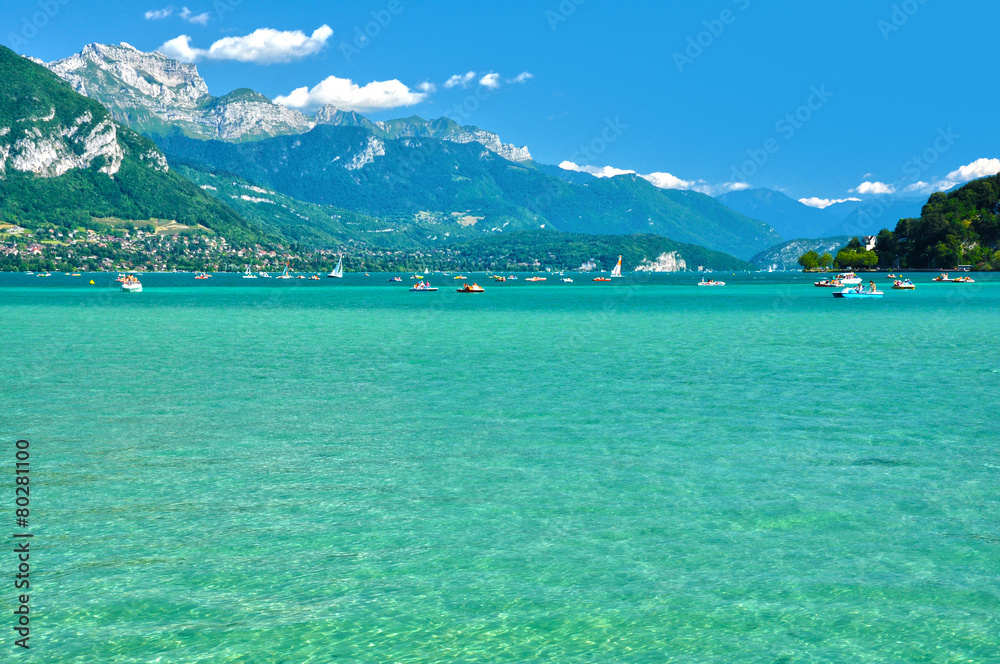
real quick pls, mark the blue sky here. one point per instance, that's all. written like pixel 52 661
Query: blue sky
pixel 814 99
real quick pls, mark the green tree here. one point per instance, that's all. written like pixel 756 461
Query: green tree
pixel 826 260
pixel 809 260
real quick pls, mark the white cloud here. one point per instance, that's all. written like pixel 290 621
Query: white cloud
pixel 522 77
pixel 460 80
pixel 875 188
pixel 159 14
pixel 491 81
pixel 605 172
pixel 823 203
pixel 668 181
pixel 349 96
pixel 199 19
pixel 185 14
pixel 427 87
pixel 980 168
pixel 660 180
pixel 263 46
pixel 922 187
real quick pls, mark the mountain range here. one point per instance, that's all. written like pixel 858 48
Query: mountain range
pixel 336 176
pixel 64 160
pixel 796 220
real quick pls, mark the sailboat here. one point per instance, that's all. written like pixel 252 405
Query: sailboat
pixel 338 272
pixel 617 272
pixel 284 273
pixel 248 274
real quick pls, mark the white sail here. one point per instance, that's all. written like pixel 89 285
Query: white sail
pixel 338 272
pixel 617 272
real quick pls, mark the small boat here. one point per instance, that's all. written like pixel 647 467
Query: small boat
pixel 943 277
pixel 417 276
pixel 263 275
pixel 395 279
pixel 906 284
pixel 617 271
pixel 315 277
pixel 202 275
pixel 47 274
pixel 963 280
pixel 471 288
pixel 567 280
pixel 602 279
pixel 498 278
pixel 849 279
pixel 711 282
pixel 284 273
pixel 858 292
pixel 301 276
pixel 826 283
pixel 131 284
pixel 248 274
pixel 512 278
pixel 535 279
pixel 338 272
pixel 893 276
pixel 461 277
pixel 423 287
pixel 76 274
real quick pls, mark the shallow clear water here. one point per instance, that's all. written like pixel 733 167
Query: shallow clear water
pixel 642 471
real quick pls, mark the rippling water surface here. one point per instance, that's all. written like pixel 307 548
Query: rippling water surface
pixel 642 471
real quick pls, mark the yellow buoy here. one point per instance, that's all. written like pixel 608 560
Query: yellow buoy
pixel 91 281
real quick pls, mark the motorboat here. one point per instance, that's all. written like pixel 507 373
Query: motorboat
pixel 602 279
pixel 423 287
pixel 848 279
pixel 711 282
pixel 904 284
pixel 567 280
pixel 827 283
pixel 471 288
pixel 131 284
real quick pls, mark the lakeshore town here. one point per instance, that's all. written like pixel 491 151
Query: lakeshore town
pixel 151 249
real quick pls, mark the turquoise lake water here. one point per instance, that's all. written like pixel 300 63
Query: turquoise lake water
pixel 643 471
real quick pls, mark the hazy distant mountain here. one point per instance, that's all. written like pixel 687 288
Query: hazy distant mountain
pixel 788 216
pixel 870 218
pixel 785 256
